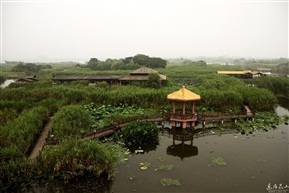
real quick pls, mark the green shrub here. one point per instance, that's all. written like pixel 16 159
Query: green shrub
pixel 18 135
pixel 102 84
pixel 51 104
pixel 72 120
pixel 140 134
pixel 259 98
pixel 15 174
pixel 278 85
pixel 78 157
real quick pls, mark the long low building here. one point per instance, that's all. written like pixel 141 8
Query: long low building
pixel 110 79
pixel 242 74
pixel 141 74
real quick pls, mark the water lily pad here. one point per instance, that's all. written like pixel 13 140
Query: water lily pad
pixel 261 161
pixel 218 161
pixel 144 165
pixel 165 167
pixel 139 151
pixel 170 182
pixel 127 152
pixel 131 178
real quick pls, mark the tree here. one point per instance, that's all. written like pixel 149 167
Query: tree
pixel 154 80
pixel 29 67
pixel 141 59
pixel 93 63
pixel 147 61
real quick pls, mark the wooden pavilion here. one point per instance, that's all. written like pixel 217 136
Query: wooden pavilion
pixel 185 97
pixel 140 75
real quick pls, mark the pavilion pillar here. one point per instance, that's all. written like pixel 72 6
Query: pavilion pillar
pixel 184 108
pixel 184 125
pixel 174 107
pixel 173 124
pixel 192 123
pixel 193 108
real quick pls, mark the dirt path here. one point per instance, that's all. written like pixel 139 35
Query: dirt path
pixel 41 141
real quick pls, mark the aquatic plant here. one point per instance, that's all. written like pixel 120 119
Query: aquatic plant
pixel 170 182
pixel 18 135
pixel 278 85
pixel 144 165
pixel 140 134
pixel 165 167
pixel 262 121
pixel 78 157
pixel 217 161
pixel 72 120
pixel 106 115
pixel 17 138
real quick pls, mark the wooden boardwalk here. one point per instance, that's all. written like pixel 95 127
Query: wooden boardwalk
pixel 110 130
pixel 114 128
pixel 42 138
pixel 40 142
pixel 248 113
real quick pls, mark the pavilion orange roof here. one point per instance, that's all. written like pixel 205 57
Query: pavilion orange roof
pixel 183 95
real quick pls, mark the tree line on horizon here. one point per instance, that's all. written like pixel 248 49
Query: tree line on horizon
pixel 128 63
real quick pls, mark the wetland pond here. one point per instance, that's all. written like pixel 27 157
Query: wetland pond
pixel 7 83
pixel 211 162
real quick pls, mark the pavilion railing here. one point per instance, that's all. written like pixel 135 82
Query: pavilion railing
pixel 181 116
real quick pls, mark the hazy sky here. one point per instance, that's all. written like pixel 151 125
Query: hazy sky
pixel 161 28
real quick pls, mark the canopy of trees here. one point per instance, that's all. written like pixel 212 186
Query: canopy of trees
pixel 282 68
pixel 29 67
pixel 128 63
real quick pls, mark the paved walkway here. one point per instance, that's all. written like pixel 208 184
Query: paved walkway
pixel 41 141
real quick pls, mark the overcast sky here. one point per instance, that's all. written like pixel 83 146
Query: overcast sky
pixel 161 28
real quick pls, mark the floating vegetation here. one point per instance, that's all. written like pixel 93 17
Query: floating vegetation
pixel 138 134
pixel 131 178
pixel 262 121
pixel 261 161
pixel 165 167
pixel 105 115
pixel 124 156
pixel 170 182
pixel 161 159
pixel 138 151
pixel 144 165
pixel 218 161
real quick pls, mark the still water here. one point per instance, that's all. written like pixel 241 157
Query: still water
pixel 7 83
pixel 253 161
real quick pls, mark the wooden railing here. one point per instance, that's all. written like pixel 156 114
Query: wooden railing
pixel 179 116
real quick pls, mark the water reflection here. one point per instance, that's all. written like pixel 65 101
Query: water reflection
pixel 85 184
pixel 180 146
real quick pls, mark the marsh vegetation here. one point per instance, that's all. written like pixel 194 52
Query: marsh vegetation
pixel 79 110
